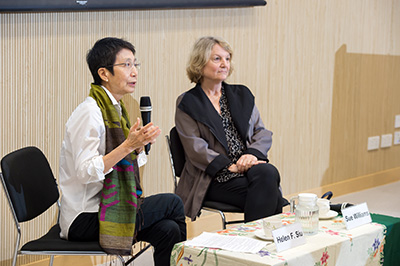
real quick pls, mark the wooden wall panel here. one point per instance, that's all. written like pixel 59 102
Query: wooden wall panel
pixel 365 100
pixel 286 52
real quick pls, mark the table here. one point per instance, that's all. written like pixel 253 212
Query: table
pixel 333 245
pixel 391 249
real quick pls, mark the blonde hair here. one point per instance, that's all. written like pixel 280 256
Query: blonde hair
pixel 200 55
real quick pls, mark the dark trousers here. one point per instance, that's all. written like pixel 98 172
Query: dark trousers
pixel 160 222
pixel 257 192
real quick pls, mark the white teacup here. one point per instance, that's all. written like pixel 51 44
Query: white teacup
pixel 324 206
pixel 270 224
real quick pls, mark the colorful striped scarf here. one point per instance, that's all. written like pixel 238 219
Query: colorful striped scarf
pixel 119 199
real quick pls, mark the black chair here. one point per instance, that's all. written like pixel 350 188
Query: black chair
pixel 31 189
pixel 177 160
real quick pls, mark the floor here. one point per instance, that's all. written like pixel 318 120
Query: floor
pixel 146 259
pixel 382 200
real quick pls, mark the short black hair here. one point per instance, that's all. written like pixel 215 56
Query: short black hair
pixel 104 53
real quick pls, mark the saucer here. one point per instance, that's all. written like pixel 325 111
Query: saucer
pixel 329 215
pixel 260 234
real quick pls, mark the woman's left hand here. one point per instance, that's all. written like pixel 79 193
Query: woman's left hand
pixel 246 161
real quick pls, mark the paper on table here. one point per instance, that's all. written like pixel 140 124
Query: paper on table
pixel 231 243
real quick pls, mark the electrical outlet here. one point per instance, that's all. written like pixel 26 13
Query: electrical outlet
pixel 386 141
pixel 396 140
pixel 373 143
pixel 397 121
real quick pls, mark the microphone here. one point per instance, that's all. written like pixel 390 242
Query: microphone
pixel 340 206
pixel 145 109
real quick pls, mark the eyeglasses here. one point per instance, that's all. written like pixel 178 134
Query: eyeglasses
pixel 128 65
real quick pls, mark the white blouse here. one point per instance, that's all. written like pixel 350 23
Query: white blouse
pixel 81 162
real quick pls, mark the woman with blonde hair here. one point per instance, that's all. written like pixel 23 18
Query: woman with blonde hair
pixel 224 139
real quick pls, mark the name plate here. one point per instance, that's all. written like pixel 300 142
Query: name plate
pixel 288 236
pixel 357 215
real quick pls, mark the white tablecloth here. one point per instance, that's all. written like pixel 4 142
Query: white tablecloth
pixel 333 245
